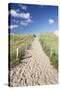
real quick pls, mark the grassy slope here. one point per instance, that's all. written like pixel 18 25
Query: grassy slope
pixel 19 41
pixel 48 41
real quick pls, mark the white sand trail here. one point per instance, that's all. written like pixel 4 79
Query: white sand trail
pixel 35 70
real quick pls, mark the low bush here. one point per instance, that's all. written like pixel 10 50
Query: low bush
pixel 13 61
pixel 47 50
pixel 54 60
pixel 21 52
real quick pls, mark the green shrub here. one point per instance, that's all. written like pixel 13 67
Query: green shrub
pixel 21 52
pixel 12 59
pixel 14 63
pixel 42 43
pixel 54 60
pixel 28 46
pixel 47 50
pixel 13 56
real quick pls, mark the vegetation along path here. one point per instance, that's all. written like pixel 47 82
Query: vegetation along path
pixel 34 70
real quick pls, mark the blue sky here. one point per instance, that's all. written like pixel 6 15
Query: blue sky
pixel 26 18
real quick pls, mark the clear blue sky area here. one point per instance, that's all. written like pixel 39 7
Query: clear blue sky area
pixel 26 18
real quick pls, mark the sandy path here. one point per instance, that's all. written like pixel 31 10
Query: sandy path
pixel 35 70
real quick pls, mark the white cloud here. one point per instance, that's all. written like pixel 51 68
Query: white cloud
pixel 24 7
pixel 16 21
pixel 21 15
pixel 51 21
pixel 17 10
pixel 56 32
pixel 28 20
pixel 13 26
pixel 23 23
pixel 24 15
pixel 14 13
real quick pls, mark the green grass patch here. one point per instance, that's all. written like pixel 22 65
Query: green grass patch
pixel 49 42
pixel 23 42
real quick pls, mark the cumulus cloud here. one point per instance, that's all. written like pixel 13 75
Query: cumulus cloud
pixel 21 15
pixel 23 23
pixel 26 22
pixel 25 15
pixel 24 7
pixel 51 21
pixel 13 26
pixel 13 13
pixel 16 21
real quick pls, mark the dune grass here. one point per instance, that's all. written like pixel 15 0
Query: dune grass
pixel 22 42
pixel 49 43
